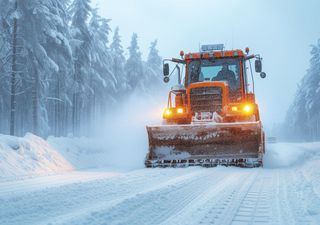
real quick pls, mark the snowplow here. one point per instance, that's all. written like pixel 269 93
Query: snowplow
pixel 211 117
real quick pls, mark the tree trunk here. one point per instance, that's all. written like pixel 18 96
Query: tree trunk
pixel 74 99
pixel 13 74
pixel 74 102
pixel 35 100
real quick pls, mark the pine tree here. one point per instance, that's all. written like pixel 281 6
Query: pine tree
pixel 313 93
pixel 48 55
pixel 12 30
pixel 151 77
pixel 80 11
pixel 81 42
pixel 102 79
pixel 42 52
pixel 59 70
pixel 14 69
pixel 296 116
pixel 133 67
pixel 118 63
pixel 6 12
pixel 303 117
pixel 154 62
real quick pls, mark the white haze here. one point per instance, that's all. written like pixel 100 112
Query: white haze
pixel 123 133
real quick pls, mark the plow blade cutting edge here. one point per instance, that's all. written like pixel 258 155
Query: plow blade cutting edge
pixel 239 144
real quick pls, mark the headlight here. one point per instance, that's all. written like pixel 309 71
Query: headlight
pixel 180 110
pixel 247 108
pixel 234 108
pixel 167 112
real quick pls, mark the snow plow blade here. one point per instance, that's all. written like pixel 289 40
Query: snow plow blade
pixel 238 144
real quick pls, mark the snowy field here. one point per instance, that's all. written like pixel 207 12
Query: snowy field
pixel 285 191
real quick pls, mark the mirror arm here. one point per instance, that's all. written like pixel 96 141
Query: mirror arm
pixel 253 56
pixel 250 57
pixel 178 61
pixel 179 75
pixel 173 71
pixel 252 79
pixel 182 61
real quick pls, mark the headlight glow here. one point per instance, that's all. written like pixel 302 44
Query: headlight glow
pixel 167 112
pixel 180 110
pixel 234 108
pixel 247 108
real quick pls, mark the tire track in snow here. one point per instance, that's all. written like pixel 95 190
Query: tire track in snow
pixel 225 215
pixel 300 200
pixel 250 203
pixel 88 212
pixel 206 208
pixel 256 206
pixel 51 203
pixel 33 184
pixel 220 196
pixel 154 206
pixel 270 198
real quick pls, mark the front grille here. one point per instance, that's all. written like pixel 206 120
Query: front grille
pixel 206 99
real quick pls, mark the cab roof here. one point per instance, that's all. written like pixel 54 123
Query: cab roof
pixel 215 54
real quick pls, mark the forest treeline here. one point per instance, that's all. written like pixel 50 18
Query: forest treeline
pixel 303 117
pixel 62 68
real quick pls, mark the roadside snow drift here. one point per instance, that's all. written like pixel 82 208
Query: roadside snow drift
pixel 289 154
pixel 29 155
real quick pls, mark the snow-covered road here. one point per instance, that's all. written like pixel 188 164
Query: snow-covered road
pixel 281 193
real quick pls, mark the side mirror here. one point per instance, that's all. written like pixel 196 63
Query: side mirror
pixel 166 69
pixel 258 65
pixel 263 75
pixel 166 79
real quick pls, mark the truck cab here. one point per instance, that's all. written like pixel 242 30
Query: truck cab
pixel 215 87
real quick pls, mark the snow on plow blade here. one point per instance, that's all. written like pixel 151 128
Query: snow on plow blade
pixel 239 144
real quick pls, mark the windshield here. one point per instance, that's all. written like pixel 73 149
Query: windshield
pixel 215 70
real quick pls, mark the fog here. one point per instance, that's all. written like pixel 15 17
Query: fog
pixel 281 31
pixel 123 132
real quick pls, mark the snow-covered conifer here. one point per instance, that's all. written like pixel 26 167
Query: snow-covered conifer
pixel 303 117
pixel 118 63
pixel 133 67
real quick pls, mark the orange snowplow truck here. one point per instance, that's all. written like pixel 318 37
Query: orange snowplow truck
pixel 212 117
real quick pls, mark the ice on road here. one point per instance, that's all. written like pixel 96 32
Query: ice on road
pixel 283 192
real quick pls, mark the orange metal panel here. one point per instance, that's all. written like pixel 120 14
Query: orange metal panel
pixel 225 94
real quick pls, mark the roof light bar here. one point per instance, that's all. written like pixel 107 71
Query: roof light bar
pixel 209 48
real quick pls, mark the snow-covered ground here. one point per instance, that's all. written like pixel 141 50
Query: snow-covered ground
pixel 285 191
pixel 29 156
pixel 32 156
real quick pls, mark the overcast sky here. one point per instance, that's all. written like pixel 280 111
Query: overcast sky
pixel 281 31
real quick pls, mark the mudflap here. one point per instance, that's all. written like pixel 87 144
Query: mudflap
pixel 237 144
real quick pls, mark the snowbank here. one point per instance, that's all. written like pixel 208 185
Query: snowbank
pixel 290 154
pixel 29 155
pixel 32 155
